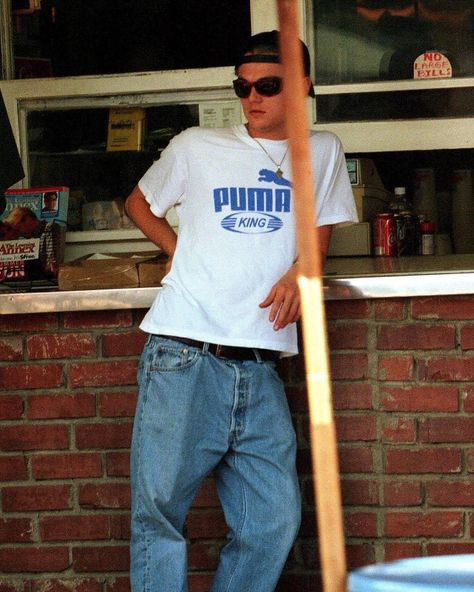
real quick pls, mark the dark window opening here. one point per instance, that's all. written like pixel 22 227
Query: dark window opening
pixel 71 38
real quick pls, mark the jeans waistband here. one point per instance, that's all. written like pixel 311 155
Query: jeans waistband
pixel 229 352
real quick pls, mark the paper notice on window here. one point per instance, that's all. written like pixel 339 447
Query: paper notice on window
pixel 432 64
pixel 225 114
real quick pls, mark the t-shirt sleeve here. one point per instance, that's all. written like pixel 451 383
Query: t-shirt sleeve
pixel 164 183
pixel 334 198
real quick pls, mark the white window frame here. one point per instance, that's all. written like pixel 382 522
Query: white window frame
pixel 356 136
pixel 386 135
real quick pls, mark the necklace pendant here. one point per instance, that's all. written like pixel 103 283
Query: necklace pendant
pixel 279 173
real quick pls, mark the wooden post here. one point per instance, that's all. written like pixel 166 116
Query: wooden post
pixel 322 429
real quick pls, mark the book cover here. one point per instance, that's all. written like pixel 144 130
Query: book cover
pixel 32 233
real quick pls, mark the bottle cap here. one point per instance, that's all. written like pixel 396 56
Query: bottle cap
pixel 427 226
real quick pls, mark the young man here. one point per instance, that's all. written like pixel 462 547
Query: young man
pixel 210 398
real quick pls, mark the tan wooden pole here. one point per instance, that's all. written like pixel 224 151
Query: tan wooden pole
pixel 322 429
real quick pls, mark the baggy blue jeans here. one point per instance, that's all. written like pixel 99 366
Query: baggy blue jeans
pixel 197 413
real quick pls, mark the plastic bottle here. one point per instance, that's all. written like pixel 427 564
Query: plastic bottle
pixel 424 197
pixel 427 238
pixel 399 202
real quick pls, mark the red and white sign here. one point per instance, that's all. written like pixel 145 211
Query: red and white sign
pixel 432 64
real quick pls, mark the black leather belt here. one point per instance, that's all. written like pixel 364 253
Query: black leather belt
pixel 228 351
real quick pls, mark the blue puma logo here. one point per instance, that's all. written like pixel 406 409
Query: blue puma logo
pixel 272 177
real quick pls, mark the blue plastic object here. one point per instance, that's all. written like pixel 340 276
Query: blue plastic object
pixel 446 573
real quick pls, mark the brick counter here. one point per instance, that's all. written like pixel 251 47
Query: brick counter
pixel 403 389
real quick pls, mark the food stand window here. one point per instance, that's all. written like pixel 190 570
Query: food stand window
pixel 394 80
pixel 83 158
pixel 99 146
pixel 419 42
pixel 64 38
pixel 368 40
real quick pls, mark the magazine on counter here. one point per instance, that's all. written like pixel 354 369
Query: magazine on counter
pixel 32 234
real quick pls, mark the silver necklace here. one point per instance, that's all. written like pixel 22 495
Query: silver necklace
pixel 278 172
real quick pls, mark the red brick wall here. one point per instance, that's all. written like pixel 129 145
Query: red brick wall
pixel 403 388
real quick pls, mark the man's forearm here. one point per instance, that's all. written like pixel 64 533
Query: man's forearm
pixel 158 230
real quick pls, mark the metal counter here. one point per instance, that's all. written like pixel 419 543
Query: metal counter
pixel 57 301
pixel 345 279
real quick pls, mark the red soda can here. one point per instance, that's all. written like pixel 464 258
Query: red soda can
pixel 385 235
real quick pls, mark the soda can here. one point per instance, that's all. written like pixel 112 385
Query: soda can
pixel 385 235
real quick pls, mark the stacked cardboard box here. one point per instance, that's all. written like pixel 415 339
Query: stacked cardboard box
pixel 113 270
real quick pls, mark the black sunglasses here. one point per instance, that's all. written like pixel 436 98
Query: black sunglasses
pixel 267 87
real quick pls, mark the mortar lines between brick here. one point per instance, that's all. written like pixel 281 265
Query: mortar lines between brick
pixel 377 450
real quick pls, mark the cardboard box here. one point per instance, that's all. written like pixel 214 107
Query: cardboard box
pixel 370 201
pixel 350 241
pixel 126 129
pixel 112 270
pixel 151 272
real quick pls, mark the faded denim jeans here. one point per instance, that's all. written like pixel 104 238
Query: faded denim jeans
pixel 196 414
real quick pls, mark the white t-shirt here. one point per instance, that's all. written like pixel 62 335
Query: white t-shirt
pixel 236 231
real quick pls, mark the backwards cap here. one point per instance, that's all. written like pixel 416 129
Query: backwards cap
pixel 267 46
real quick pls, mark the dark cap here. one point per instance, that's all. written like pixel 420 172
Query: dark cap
pixel 264 47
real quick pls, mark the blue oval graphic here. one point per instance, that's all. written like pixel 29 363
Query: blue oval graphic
pixel 251 222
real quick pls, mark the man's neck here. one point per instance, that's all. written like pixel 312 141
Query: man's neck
pixel 275 134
